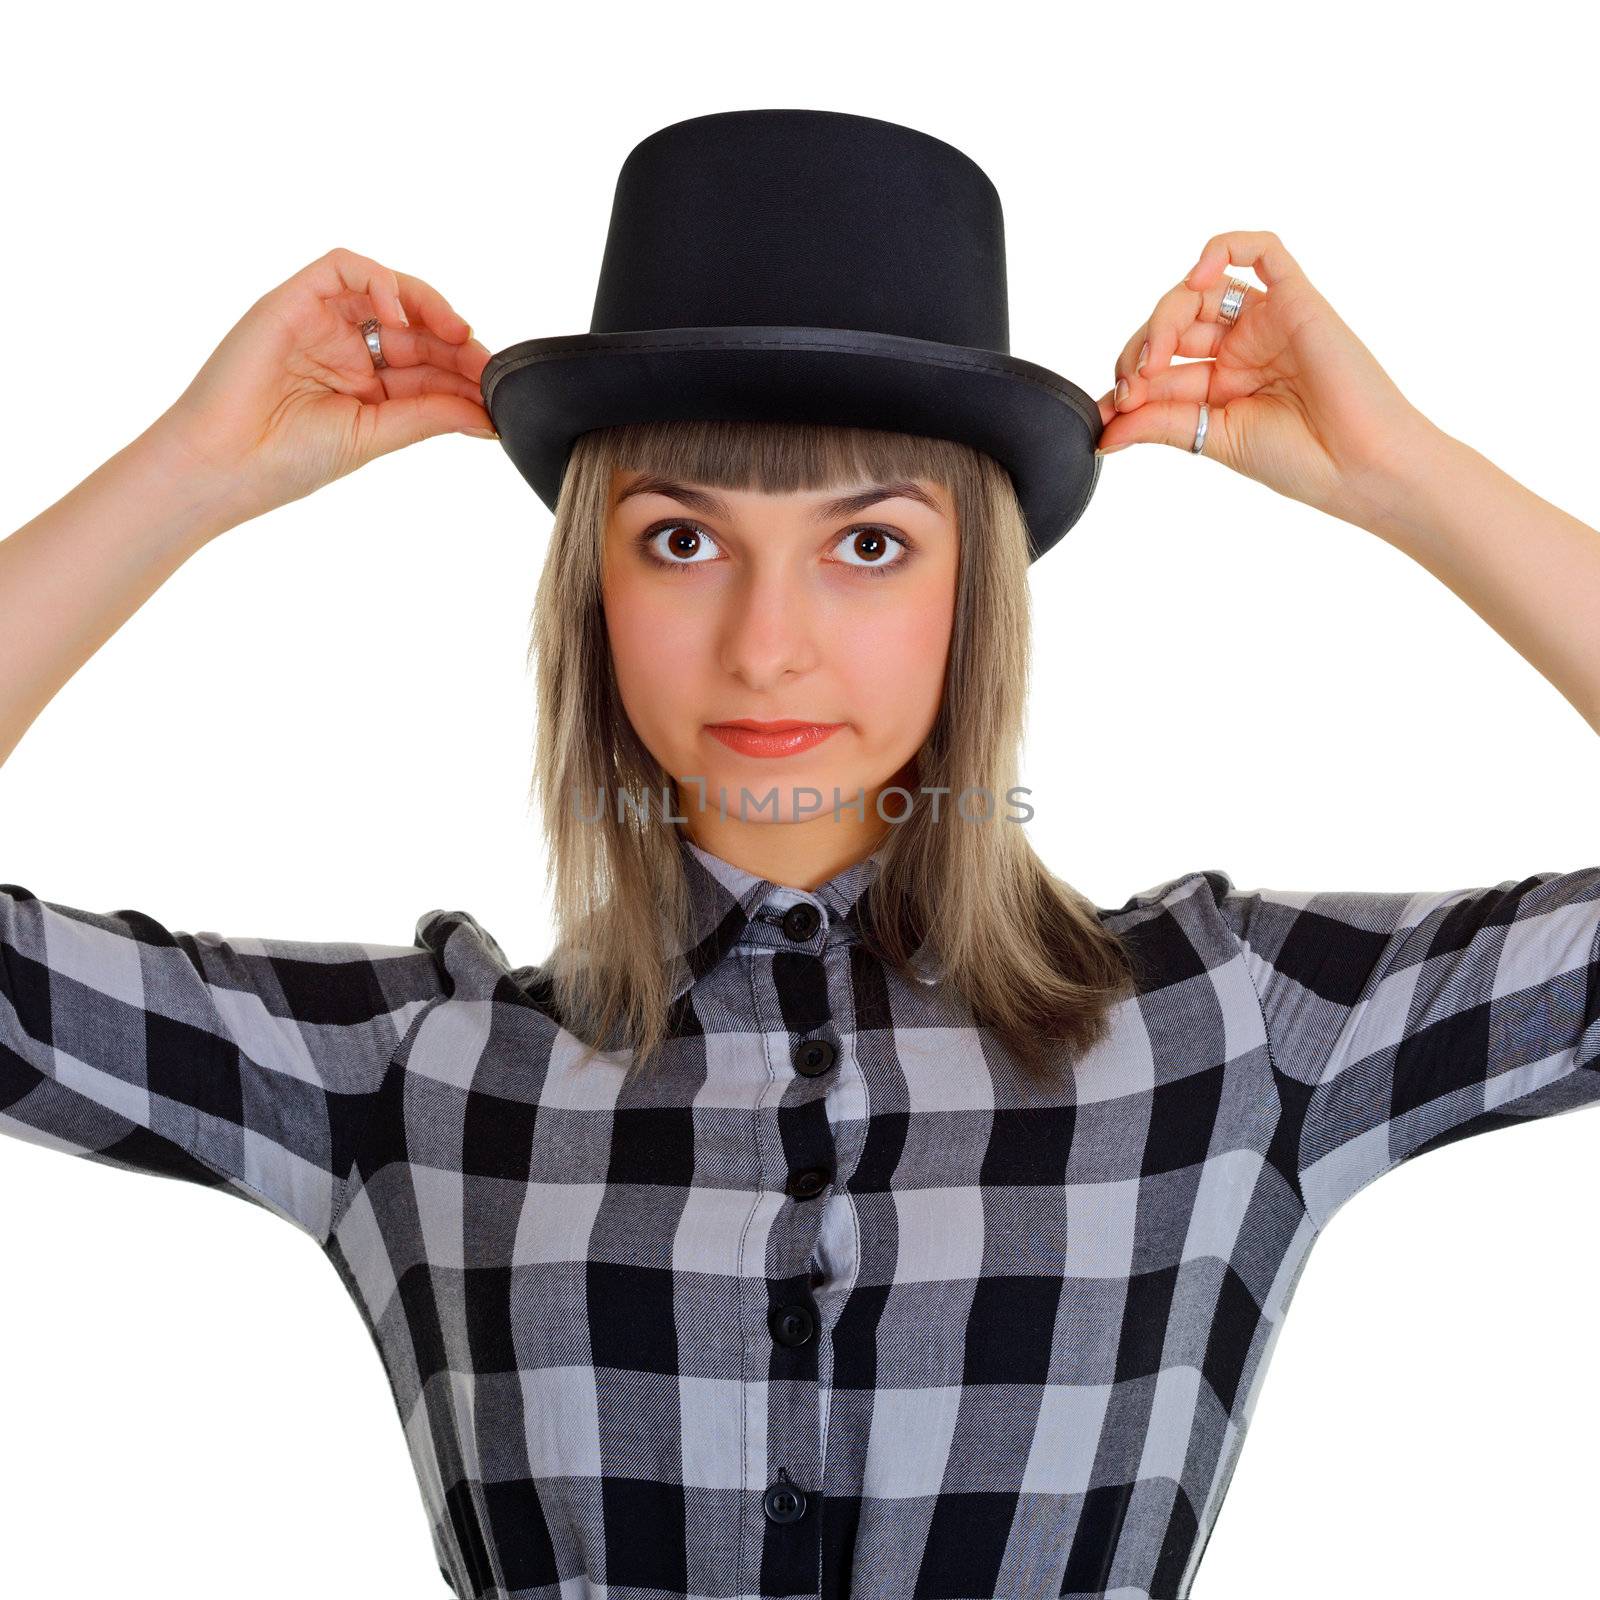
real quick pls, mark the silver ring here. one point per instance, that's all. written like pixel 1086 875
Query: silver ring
pixel 1233 300
pixel 1200 432
pixel 369 331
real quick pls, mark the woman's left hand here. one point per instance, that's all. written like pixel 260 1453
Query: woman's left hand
pixel 1297 402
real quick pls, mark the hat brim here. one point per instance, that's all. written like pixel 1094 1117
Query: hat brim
pixel 543 393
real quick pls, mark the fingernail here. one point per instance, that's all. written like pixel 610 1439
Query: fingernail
pixel 1144 350
pixel 1122 390
pixel 480 433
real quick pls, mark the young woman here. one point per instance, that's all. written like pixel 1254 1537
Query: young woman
pixel 848 1207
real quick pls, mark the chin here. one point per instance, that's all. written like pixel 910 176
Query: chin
pixel 764 778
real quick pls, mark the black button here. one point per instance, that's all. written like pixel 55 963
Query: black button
pixel 783 1502
pixel 801 920
pixel 814 1057
pixel 810 1181
pixel 792 1325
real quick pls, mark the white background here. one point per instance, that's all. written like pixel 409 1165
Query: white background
pixel 321 726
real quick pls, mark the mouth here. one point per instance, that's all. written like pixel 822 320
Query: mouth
pixel 784 725
pixel 769 739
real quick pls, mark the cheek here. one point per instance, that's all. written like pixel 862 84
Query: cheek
pixel 897 669
pixel 645 629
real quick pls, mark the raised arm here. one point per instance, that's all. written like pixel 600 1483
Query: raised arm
pixel 1295 400
pixel 245 1064
pixel 251 432
pixel 1396 1022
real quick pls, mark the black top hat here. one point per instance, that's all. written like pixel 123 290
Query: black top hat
pixel 804 266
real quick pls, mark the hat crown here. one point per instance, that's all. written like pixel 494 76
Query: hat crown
pixel 820 219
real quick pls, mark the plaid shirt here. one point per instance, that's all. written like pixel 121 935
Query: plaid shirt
pixel 838 1304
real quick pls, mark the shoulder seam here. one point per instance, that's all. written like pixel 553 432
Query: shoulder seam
pixel 341 1198
pixel 1272 1062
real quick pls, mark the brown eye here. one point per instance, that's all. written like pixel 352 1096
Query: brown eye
pixel 678 544
pixel 874 548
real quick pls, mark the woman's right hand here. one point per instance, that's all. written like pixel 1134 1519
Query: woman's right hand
pixel 290 399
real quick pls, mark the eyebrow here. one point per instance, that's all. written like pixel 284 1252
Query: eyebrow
pixel 711 505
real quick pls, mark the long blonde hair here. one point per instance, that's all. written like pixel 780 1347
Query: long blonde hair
pixel 1025 950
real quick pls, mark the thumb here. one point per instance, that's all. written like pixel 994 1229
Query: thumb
pixel 1169 422
pixel 406 419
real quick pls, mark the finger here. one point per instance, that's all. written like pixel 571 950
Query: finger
pixel 1262 252
pixel 1138 355
pixel 409 418
pixel 471 358
pixel 1209 313
pixel 1199 298
pixel 1175 309
pixel 1198 339
pixel 1171 331
pixel 1134 351
pixel 1192 382
pixel 402 347
pixel 434 309
pixel 401 382
pixel 468 360
pixel 416 299
pixel 1169 422
pixel 343 270
pixel 406 347
pixel 1172 413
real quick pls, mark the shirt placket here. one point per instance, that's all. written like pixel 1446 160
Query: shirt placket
pixel 799 1164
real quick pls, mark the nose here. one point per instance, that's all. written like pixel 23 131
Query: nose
pixel 769 629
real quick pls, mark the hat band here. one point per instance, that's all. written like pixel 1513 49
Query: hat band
pixel 925 352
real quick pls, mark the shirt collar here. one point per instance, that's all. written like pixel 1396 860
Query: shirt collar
pixel 723 898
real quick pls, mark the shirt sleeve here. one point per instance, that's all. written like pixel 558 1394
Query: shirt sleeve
pixel 1400 1022
pixel 247 1065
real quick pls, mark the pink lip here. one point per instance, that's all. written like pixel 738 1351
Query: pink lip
pixel 767 740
